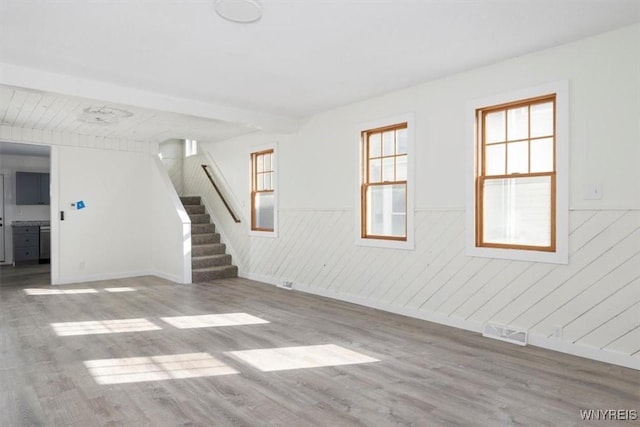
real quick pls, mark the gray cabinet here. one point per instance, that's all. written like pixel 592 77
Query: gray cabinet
pixel 32 188
pixel 26 245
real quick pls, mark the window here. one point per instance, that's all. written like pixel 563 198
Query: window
pixel 384 183
pixel 190 147
pixel 262 191
pixel 516 182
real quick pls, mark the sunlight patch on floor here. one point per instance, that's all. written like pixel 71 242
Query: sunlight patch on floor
pixel 213 320
pixel 94 327
pixel 314 356
pixel 157 368
pixel 123 289
pixel 40 291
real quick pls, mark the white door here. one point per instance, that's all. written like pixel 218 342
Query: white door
pixel 2 222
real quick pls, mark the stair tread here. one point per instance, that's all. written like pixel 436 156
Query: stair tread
pixel 215 268
pixel 210 256
pixel 197 232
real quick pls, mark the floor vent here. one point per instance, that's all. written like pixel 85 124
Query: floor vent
pixel 505 333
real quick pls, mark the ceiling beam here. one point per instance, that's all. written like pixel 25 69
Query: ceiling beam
pixel 64 84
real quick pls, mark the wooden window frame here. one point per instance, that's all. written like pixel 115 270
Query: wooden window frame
pixel 254 186
pixel 366 182
pixel 482 176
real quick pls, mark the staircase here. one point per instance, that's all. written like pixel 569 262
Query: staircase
pixel 209 260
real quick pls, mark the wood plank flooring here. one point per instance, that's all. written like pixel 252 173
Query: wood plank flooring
pixel 426 374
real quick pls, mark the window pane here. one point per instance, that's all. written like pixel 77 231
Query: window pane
pixel 260 183
pixel 263 214
pixel 495 127
pixel 542 155
pixel 267 162
pixel 517 211
pixel 386 210
pixel 517 157
pixel 542 119
pixel 267 181
pixel 260 163
pixel 401 168
pixel 388 143
pixel 518 123
pixel 374 145
pixel 387 169
pixel 375 170
pixel 494 159
pixel 401 141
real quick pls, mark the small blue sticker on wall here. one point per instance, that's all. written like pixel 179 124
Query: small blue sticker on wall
pixel 80 204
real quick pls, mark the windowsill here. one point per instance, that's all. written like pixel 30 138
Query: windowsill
pixel 557 257
pixel 406 245
pixel 269 234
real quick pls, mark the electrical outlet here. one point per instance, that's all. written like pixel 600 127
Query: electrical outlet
pixel 558 332
pixel 592 192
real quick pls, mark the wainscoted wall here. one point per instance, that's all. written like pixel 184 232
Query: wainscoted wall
pixel 589 307
pixel 593 302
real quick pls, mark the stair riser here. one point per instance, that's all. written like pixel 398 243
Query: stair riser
pixel 200 219
pixel 195 209
pixel 214 261
pixel 202 228
pixel 206 276
pixel 203 239
pixel 190 200
pixel 215 249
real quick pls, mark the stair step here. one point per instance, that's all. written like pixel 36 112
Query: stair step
pixel 208 249
pixel 190 200
pixel 201 239
pixel 194 209
pixel 202 228
pixel 198 262
pixel 200 218
pixel 212 273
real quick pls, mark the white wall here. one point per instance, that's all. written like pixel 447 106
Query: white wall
pixel 9 165
pixel 170 229
pixel 114 235
pixel 592 303
pixel 172 152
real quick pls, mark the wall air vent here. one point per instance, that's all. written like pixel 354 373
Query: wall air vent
pixel 505 333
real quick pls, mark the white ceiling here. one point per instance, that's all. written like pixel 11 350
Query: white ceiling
pixel 158 58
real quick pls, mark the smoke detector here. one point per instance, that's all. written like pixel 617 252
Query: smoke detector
pixel 103 116
pixel 239 11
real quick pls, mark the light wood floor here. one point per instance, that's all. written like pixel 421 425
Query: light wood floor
pixel 427 374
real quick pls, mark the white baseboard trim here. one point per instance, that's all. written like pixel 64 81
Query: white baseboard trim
pixel 107 276
pixel 584 351
pixel 171 277
pixel 534 340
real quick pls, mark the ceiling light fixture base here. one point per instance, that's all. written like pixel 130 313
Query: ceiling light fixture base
pixel 103 116
pixel 239 11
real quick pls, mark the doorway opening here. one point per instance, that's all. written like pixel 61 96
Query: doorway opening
pixel 25 213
